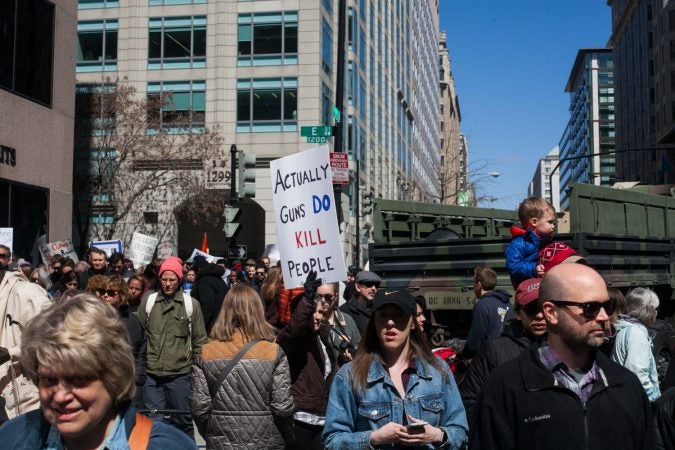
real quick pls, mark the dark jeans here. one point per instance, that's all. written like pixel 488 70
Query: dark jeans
pixel 170 393
pixel 307 437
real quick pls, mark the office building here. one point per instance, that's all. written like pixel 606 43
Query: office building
pixel 453 153
pixel 37 69
pixel 643 42
pixel 546 183
pixel 260 70
pixel 587 145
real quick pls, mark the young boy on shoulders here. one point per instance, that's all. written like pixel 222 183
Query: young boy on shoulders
pixel 537 217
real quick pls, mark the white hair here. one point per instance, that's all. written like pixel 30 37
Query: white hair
pixel 642 304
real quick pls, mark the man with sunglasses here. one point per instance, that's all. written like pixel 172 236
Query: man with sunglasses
pixel 518 334
pixel 359 307
pixel 565 394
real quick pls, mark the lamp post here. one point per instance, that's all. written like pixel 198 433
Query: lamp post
pixel 471 185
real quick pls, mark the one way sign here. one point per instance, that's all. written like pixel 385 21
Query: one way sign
pixel 237 252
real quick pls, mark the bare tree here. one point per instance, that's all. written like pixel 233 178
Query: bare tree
pixel 133 151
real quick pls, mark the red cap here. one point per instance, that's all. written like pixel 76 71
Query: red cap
pixel 528 291
pixel 558 253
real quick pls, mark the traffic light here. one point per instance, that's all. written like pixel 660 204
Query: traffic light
pixel 231 226
pixel 366 202
pixel 246 175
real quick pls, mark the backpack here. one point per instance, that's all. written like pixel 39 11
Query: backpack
pixel 187 300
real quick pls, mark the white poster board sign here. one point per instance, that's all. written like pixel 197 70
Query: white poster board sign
pixel 63 248
pixel 141 249
pixel 209 258
pixel 109 247
pixel 308 235
pixel 7 237
pixel 164 250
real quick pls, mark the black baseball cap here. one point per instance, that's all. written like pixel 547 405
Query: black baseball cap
pixel 400 297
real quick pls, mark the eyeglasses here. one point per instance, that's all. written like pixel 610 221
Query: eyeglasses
pixel 325 297
pixel 532 308
pixel 4 255
pixel 590 310
pixel 370 284
pixel 260 273
pixel 108 292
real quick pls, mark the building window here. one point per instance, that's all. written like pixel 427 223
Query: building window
pixel 326 47
pixel 177 42
pixel 97 46
pixel 175 2
pixel 177 105
pixel 92 4
pixel 327 104
pixel 27 47
pixel 268 39
pixel 267 104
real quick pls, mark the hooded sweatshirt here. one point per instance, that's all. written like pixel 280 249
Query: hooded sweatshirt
pixel 210 289
pixel 487 318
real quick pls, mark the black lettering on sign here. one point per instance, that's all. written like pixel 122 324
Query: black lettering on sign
pixel 8 155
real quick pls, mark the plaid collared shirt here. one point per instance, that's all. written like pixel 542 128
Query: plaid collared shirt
pixel 562 374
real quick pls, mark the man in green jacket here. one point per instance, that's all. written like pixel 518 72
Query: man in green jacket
pixel 174 326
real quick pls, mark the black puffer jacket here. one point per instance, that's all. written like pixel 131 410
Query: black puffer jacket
pixel 664 420
pixel 210 289
pixel 493 354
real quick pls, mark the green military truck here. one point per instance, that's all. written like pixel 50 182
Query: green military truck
pixel 432 250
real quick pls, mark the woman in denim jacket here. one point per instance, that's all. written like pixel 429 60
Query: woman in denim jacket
pixel 394 383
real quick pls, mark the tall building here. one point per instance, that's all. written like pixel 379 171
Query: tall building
pixel 643 42
pixel 546 183
pixel 587 145
pixel 261 70
pixel 453 155
pixel 37 68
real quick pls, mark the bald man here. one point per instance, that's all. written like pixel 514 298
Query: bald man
pixel 564 394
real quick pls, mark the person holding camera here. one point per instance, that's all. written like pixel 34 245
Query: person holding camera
pixel 306 342
pixel 344 334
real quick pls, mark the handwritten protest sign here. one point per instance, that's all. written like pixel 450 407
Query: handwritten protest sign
pixel 7 237
pixel 307 230
pixel 63 248
pixel 209 258
pixel 109 247
pixel 141 249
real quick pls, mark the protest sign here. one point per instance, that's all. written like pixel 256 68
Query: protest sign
pixel 7 237
pixel 307 229
pixel 141 249
pixel 63 248
pixel 165 249
pixel 109 247
pixel 209 258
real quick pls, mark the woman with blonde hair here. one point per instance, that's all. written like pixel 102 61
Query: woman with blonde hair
pixel 242 358
pixel 84 384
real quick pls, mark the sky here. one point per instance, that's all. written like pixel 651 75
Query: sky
pixel 511 60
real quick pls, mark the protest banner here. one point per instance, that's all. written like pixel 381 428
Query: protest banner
pixel 141 249
pixel 109 247
pixel 209 258
pixel 7 237
pixel 308 235
pixel 63 248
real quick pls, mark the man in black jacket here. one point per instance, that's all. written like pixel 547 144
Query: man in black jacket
pixel 518 334
pixel 565 394
pixel 488 313
pixel 361 304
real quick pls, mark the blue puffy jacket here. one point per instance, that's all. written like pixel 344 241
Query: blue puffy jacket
pixel 522 255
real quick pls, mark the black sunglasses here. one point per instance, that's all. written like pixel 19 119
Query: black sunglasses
pixel 532 308
pixel 4 255
pixel 325 297
pixel 370 284
pixel 109 292
pixel 590 310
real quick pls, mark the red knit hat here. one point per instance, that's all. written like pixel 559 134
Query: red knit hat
pixel 173 264
pixel 557 253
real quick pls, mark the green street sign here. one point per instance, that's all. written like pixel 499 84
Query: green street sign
pixel 316 139
pixel 316 131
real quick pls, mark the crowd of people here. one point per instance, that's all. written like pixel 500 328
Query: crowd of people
pixel 101 354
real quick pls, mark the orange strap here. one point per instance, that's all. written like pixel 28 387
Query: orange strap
pixel 140 434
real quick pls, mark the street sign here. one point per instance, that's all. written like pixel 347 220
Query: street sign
pixel 323 131
pixel 339 168
pixel 237 252
pixel 216 174
pixel 316 139
pixel 231 229
pixel 230 213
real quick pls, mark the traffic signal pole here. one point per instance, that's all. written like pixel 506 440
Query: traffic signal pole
pixel 233 188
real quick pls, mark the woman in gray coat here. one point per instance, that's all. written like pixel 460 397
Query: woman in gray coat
pixel 253 407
